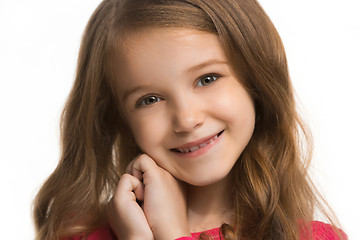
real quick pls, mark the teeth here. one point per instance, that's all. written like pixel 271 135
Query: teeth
pixel 193 149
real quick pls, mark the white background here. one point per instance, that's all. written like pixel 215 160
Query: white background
pixel 39 41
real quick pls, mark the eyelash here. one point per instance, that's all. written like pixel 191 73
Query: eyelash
pixel 142 102
pixel 210 75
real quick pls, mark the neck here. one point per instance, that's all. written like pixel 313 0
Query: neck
pixel 209 206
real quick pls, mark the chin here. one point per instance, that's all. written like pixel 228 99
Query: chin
pixel 206 179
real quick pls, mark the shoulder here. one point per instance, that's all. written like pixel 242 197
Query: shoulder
pixel 320 231
pixel 324 231
pixel 103 233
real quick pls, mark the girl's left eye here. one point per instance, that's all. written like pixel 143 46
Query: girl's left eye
pixel 207 80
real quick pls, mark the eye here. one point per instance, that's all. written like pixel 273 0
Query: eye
pixel 207 80
pixel 149 100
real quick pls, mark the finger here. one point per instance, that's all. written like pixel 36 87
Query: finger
pixel 129 184
pixel 129 167
pixel 145 165
pixel 133 171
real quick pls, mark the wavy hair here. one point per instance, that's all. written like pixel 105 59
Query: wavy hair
pixel 273 196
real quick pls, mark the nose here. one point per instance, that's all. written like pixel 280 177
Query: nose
pixel 187 116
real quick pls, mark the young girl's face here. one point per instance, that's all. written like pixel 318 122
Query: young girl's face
pixel 184 106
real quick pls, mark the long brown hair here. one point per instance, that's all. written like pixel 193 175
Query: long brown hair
pixel 272 193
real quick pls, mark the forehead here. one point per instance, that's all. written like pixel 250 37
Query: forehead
pixel 151 49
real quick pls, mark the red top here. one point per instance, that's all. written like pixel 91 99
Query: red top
pixel 321 231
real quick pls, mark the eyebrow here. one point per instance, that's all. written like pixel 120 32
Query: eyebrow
pixel 205 64
pixel 192 69
pixel 132 91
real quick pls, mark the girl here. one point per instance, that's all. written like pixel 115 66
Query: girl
pixel 181 124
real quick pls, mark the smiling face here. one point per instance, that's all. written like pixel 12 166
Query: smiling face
pixel 184 106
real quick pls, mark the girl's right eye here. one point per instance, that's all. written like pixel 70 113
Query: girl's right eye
pixel 149 100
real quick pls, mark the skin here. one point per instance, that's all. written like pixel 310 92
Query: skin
pixel 177 91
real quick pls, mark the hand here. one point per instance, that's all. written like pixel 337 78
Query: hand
pixel 164 199
pixel 125 216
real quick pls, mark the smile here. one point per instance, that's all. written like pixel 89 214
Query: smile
pixel 192 147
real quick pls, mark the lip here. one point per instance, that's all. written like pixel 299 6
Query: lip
pixel 200 150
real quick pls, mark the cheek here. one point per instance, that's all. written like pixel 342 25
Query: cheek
pixel 235 105
pixel 147 130
pixel 238 113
